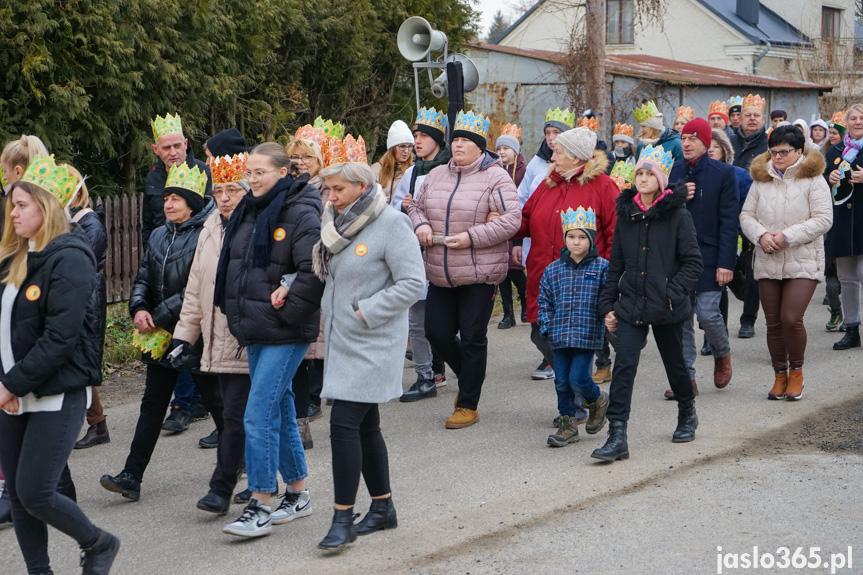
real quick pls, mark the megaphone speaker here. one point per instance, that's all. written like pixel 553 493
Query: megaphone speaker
pixel 416 39
pixel 471 76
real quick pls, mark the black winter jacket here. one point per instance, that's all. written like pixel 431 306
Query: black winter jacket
pixel 655 262
pixel 747 148
pixel 251 316
pixel 845 238
pixel 52 340
pixel 153 211
pixel 91 227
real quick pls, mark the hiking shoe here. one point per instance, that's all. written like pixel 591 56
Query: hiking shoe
pixel 542 372
pixel 421 389
pixel 602 375
pixel 254 522
pixel 178 420
pixel 836 320
pixel 440 379
pixel 197 412
pixel 462 417
pixel 315 412
pixel 211 441
pixel 597 409
pixel 567 433
pixel 124 484
pixel 293 506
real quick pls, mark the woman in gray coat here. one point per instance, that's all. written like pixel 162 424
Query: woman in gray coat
pixel 370 260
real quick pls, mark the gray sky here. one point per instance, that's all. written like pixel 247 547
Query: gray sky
pixel 489 7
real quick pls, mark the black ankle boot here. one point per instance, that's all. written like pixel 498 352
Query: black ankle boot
pixel 342 531
pixel 851 338
pixel 615 446
pixel 97 560
pixel 381 515
pixel 687 422
pixel 507 322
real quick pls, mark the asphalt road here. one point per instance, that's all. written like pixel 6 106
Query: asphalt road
pixel 493 498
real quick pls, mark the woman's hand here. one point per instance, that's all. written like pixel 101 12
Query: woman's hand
pixel 611 322
pixel 459 241
pixel 834 177
pixel 492 216
pixel 424 235
pixel 517 253
pixel 277 298
pixel 768 243
pixel 144 322
pixel 779 240
pixel 8 401
pixel 359 314
pixel 406 201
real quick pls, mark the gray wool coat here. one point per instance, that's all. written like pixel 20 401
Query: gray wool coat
pixel 381 273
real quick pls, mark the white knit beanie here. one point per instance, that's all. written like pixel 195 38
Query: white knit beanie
pixel 580 142
pixel 399 134
pixel 655 122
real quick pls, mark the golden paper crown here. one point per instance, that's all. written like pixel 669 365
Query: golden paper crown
pixel 645 112
pixel 192 179
pixel 839 118
pixel 718 107
pixel 755 101
pixel 624 172
pixel 511 130
pixel 347 151
pixel 470 122
pixel 167 125
pixel 54 179
pixel 579 219
pixel 686 112
pixel 562 116
pixel 330 129
pixel 590 123
pixel 657 155
pixel 309 132
pixel 432 118
pixel 623 130
pixel 229 170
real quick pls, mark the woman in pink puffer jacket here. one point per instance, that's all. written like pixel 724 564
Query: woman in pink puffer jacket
pixel 465 255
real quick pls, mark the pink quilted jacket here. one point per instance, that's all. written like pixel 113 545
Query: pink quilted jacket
pixel 455 199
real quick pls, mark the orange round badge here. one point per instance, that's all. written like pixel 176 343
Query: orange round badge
pixel 837 160
pixel 279 234
pixel 361 250
pixel 33 293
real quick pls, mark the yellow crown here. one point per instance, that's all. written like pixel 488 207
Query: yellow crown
pixel 229 170
pixel 657 155
pixel 622 174
pixel 755 101
pixel 686 112
pixel 347 151
pixel 309 132
pixel 330 129
pixel 470 122
pixel 167 125
pixel 511 130
pixel 839 118
pixel 718 107
pixel 591 123
pixel 579 219
pixel 192 179
pixel 645 112
pixel 54 179
pixel 562 116
pixel 623 130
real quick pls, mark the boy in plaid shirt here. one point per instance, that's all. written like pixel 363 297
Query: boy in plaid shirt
pixel 568 316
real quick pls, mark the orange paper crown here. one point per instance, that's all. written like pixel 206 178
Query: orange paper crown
pixel 347 151
pixel 591 123
pixel 229 170
pixel 623 130
pixel 718 107
pixel 839 118
pixel 309 132
pixel 755 101
pixel 686 112
pixel 511 130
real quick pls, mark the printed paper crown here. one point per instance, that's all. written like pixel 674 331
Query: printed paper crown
pixel 347 151
pixel 167 125
pixel 686 112
pixel 432 118
pixel 735 101
pixel 579 219
pixel 470 122
pixel 330 129
pixel 155 343
pixel 755 101
pixel 562 116
pixel 192 179
pixel 657 155
pixel 623 130
pixel 309 132
pixel 645 112
pixel 839 118
pixel 591 123
pixel 718 107
pixel 622 172
pixel 229 170
pixel 511 130
pixel 54 179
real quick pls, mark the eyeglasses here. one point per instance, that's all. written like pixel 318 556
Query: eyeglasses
pixel 227 192
pixel 404 147
pixel 781 153
pixel 305 159
pixel 258 174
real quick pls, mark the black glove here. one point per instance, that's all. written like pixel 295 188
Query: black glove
pixel 188 358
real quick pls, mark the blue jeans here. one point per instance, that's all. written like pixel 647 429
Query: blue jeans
pixel 272 437
pixel 185 392
pixel 706 309
pixel 572 376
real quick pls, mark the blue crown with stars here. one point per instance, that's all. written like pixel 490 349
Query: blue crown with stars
pixel 735 101
pixel 474 123
pixel 579 219
pixel 657 155
pixel 432 118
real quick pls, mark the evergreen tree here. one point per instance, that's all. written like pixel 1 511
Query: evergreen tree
pixel 499 25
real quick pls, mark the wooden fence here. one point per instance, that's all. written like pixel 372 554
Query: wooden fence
pixel 123 222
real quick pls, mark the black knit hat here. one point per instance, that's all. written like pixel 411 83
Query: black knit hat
pixel 227 143
pixel 472 136
pixel 435 134
pixel 196 203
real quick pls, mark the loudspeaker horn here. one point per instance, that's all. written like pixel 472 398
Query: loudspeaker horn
pixel 416 39
pixel 471 76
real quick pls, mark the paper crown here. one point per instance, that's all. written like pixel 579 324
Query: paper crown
pixel 229 170
pixel 432 118
pixel 167 125
pixel 347 151
pixel 54 179
pixel 309 132
pixel 579 219
pixel 735 101
pixel 657 155
pixel 470 122
pixel 839 118
pixel 718 107
pixel 623 130
pixel 755 101
pixel 330 129
pixel 192 179
pixel 155 343
pixel 622 173
pixel 511 130
pixel 645 112
pixel 562 116
pixel 591 123
pixel 686 112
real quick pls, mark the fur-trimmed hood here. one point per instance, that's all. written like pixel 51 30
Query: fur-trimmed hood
pixel 660 210
pixel 810 165
pixel 593 168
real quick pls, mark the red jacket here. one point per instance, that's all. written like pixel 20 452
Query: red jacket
pixel 540 220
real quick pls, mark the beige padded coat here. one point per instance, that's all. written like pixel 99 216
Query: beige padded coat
pixel 797 204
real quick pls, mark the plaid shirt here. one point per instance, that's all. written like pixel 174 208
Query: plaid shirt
pixel 568 296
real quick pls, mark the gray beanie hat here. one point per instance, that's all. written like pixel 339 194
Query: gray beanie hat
pixel 580 142
pixel 509 142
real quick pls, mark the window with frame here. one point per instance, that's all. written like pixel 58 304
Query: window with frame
pixel 619 22
pixel 831 20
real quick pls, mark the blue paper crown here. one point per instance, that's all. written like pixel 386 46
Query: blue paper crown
pixel 735 101
pixel 657 155
pixel 470 122
pixel 432 118
pixel 579 219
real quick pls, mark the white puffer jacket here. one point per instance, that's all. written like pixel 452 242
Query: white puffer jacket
pixel 797 204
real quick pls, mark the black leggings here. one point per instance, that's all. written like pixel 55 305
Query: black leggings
pixel 517 278
pixel 358 447
pixel 234 388
pixel 33 453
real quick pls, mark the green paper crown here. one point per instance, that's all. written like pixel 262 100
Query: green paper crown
pixel 624 170
pixel 167 125
pixel 331 130
pixel 645 112
pixel 192 179
pixel 54 179
pixel 563 116
pixel 155 343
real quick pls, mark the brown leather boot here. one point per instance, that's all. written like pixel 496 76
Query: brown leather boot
pixel 96 435
pixel 722 371
pixel 779 385
pixel 462 417
pixel 794 391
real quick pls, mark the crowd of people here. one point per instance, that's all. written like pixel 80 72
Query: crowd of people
pixel 275 277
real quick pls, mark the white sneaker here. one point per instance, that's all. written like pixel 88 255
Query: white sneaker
pixel 254 522
pixel 293 506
